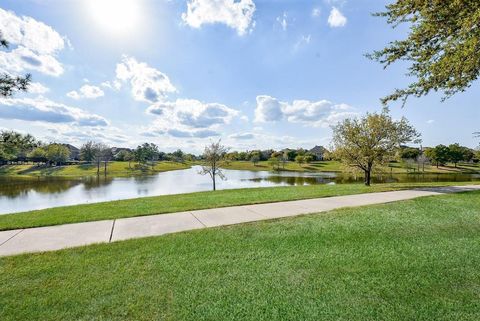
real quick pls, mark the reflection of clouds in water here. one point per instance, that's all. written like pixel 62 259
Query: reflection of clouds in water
pixel 22 194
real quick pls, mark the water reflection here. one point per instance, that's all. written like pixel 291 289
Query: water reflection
pixel 22 194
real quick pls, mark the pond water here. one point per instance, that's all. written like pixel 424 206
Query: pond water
pixel 24 194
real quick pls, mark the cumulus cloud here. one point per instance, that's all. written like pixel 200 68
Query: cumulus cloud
pixel 237 14
pixel 316 12
pixel 313 113
pixel 190 118
pixel 37 88
pixel 36 45
pixel 242 136
pixel 148 84
pixel 336 18
pixel 44 110
pixel 86 91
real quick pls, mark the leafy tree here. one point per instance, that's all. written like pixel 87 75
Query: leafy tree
pixel 274 162
pixel 15 146
pixel 57 154
pixel 213 158
pixel 442 45
pixel 147 152
pixel 440 154
pixel 38 154
pixel 370 140
pixel 10 84
pixel 409 153
pixel 308 158
pixel 255 158
pixel 88 152
pixel 456 153
pixel 300 159
pixel 178 156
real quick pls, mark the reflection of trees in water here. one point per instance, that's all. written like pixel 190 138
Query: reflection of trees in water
pixel 14 187
pixel 96 181
pixel 144 178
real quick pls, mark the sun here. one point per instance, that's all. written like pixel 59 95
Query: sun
pixel 116 16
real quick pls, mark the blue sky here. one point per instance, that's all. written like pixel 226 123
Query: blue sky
pixel 254 73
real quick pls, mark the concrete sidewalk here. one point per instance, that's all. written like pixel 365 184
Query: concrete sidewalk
pixel 71 235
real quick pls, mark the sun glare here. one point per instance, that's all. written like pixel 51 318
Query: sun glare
pixel 116 16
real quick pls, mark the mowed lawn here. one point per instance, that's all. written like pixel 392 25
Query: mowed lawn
pixel 410 260
pixel 82 170
pixel 191 201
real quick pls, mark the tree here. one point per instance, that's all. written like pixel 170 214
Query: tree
pixel 129 157
pixel 213 157
pixel 456 153
pixel 440 154
pixel 370 140
pixel 15 146
pixel 255 158
pixel 10 84
pixel 442 45
pixel 274 162
pixel 57 154
pixel 88 152
pixel 409 153
pixel 147 152
pixel 308 158
pixel 300 159
pixel 37 155
pixel 178 156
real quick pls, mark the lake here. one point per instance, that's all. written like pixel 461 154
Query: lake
pixel 18 194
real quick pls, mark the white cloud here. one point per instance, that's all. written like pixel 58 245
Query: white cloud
pixel 36 45
pixel 86 91
pixel 37 88
pixel 190 118
pixel 237 14
pixel 302 41
pixel 283 21
pixel 44 110
pixel 336 18
pixel 242 136
pixel 148 84
pixel 316 12
pixel 114 85
pixel 430 121
pixel 317 113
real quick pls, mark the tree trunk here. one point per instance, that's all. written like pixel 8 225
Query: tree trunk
pixel 214 183
pixel 368 177
pixel 105 167
pixel 98 168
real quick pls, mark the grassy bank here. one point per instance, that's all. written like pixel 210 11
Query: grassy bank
pixel 411 260
pixel 191 201
pixel 113 169
pixel 334 166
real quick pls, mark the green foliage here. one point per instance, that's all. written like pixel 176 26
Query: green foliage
pixel 440 154
pixel 148 152
pixel 409 153
pixel 255 157
pixel 88 152
pixel 442 46
pixel 371 140
pixel 57 154
pixel 16 146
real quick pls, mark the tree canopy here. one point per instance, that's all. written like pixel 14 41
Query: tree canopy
pixel 371 140
pixel 443 45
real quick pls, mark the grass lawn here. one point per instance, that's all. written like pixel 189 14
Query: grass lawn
pixel 410 260
pixel 334 166
pixel 191 201
pixel 113 169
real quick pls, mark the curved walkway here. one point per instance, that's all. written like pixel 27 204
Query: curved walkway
pixel 52 238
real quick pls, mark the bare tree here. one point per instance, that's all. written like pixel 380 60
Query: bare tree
pixel 213 157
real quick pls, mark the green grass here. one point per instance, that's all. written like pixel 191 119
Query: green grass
pixel 410 260
pixel 187 202
pixel 82 170
pixel 334 166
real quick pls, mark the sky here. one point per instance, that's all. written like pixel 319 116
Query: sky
pixel 254 73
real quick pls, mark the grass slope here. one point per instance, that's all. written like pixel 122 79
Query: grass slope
pixel 113 169
pixel 334 166
pixel 411 260
pixel 191 201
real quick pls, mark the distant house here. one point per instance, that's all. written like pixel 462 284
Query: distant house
pixel 74 152
pixel 319 152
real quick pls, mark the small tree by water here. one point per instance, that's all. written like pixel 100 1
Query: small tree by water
pixel 213 159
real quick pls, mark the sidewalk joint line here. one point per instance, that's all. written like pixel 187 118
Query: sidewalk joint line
pixel 11 237
pixel 197 219
pixel 111 232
